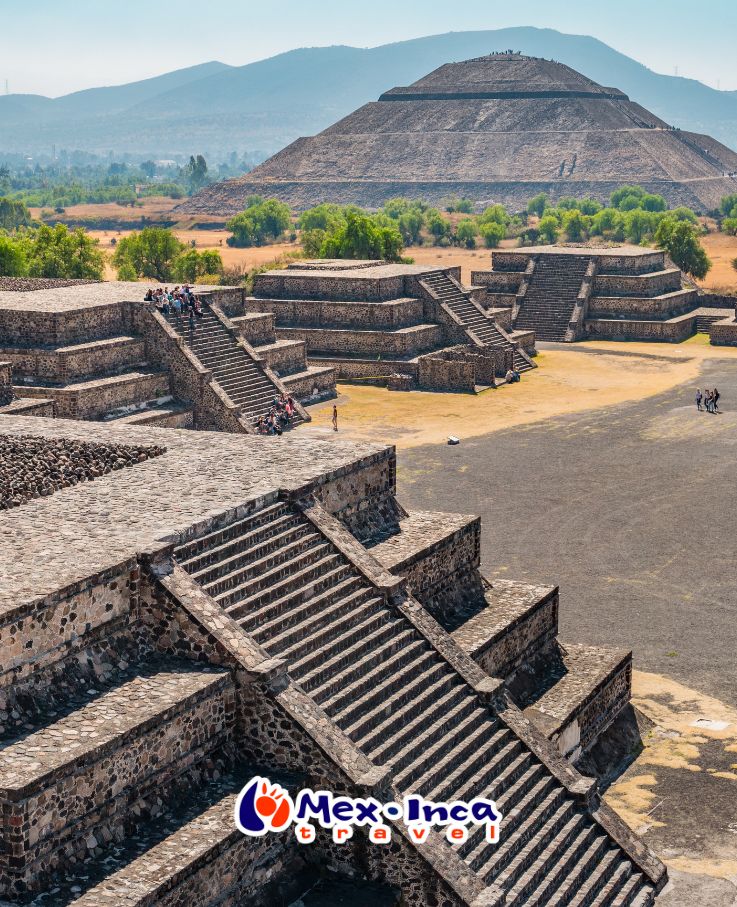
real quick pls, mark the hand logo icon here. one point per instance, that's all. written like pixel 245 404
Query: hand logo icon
pixel 261 807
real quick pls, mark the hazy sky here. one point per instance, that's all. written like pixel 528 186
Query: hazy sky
pixel 55 46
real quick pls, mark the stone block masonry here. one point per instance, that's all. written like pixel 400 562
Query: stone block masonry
pixel 32 467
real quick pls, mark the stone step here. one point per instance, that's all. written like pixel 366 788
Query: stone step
pixel 490 859
pixel 269 563
pixel 596 866
pixel 458 725
pixel 281 579
pixel 343 632
pixel 235 554
pixel 634 887
pixel 252 612
pixel 584 846
pixel 496 751
pixel 399 743
pixel 315 625
pixel 367 721
pixel 344 665
pixel 606 878
pixel 460 752
pixel 355 681
pixel 284 628
pixel 78 777
pixel 241 534
pixel 514 803
pixel 167 860
pixel 541 849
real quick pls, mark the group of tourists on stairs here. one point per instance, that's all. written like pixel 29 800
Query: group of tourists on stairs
pixel 278 417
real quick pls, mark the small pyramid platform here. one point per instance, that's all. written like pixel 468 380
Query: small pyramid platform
pixel 498 128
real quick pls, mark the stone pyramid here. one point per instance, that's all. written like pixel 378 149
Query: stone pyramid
pixel 498 128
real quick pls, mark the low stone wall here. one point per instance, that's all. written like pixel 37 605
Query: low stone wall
pixel 445 372
pixel 395 313
pixel 387 344
pixel 380 370
pixel 673 331
pixel 604 704
pixel 286 358
pixel 28 406
pixel 646 307
pixel 717 300
pixel 526 340
pixel 43 328
pixel 78 361
pixel 498 281
pixel 95 398
pixel 256 328
pixel 724 333
pixel 317 285
pixel 311 386
pixel 653 284
pixel 519 622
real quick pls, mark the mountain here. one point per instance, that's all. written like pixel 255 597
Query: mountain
pixel 215 108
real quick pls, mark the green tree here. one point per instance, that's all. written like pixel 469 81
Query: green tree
pixel 650 202
pixel 149 168
pixel 13 214
pixel 494 214
pixel 437 226
pixel 728 204
pixel 195 172
pixel 13 259
pixel 466 232
pixel 60 252
pixel 548 228
pixel 260 222
pixel 680 240
pixel 191 265
pixel 589 206
pixel 574 225
pixel 464 206
pixel 150 253
pixel 537 204
pixel 638 225
pixel 625 192
pixel 729 225
pixel 361 237
pixel 492 233
pixel 324 217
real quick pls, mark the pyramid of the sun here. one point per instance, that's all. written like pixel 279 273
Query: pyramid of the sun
pixel 498 128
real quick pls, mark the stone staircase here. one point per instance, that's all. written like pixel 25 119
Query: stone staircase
pixel 243 379
pixel 368 666
pixel 551 296
pixel 472 317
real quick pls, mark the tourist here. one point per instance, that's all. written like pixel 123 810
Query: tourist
pixel 191 319
pixel 177 303
pixel 715 401
pixel 149 295
pixel 699 398
pixel 335 417
pixel 165 307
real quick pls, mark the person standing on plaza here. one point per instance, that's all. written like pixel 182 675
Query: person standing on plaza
pixel 335 417
pixel 699 398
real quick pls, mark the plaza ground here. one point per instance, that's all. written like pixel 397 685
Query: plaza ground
pixel 597 473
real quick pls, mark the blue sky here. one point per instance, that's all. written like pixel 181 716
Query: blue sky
pixel 55 46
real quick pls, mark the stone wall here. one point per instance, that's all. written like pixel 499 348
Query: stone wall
pixel 336 286
pixel 44 328
pixel 58 366
pixel 387 344
pixel 256 327
pixel 395 313
pixel 604 704
pixel 377 371
pixel 724 333
pixel 654 284
pixel 674 331
pixel 652 307
pixel 462 369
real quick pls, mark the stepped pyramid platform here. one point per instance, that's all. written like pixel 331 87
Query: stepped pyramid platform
pixel 568 293
pixel 370 320
pixel 93 350
pixel 496 129
pixel 227 606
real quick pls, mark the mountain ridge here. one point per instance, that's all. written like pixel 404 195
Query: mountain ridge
pixel 262 106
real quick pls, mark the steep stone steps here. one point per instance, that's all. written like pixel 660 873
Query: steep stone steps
pixel 551 296
pixel 369 669
pixel 472 317
pixel 238 374
pixel 85 770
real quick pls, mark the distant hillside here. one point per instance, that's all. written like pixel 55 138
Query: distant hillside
pixel 263 106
